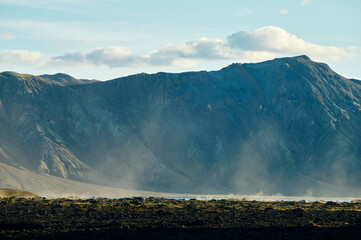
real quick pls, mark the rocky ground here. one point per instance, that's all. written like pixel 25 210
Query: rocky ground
pixel 158 218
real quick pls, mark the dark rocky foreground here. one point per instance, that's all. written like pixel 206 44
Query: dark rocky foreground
pixel 155 218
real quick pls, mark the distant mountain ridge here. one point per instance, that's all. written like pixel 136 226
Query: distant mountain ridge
pixel 65 79
pixel 58 78
pixel 288 126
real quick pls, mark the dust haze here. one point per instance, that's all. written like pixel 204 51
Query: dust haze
pixel 285 127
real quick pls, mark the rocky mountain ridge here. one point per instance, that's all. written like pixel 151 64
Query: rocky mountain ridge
pixel 288 126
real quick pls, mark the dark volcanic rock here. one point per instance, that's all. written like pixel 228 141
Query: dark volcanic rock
pixel 289 126
pixel 155 218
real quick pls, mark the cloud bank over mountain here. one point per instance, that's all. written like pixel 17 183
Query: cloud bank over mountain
pixel 262 44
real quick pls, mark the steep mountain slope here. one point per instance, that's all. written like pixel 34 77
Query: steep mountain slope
pixel 51 186
pixel 289 126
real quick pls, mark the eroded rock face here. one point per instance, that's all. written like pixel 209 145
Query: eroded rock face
pixel 289 126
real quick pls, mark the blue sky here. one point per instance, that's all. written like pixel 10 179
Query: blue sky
pixel 108 39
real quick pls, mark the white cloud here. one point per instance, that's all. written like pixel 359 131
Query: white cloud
pixel 262 44
pixel 202 48
pixel 304 2
pixel 255 56
pixel 278 40
pixel 184 63
pixel 284 11
pixel 61 5
pixel 185 54
pixel 21 57
pixel 65 31
pixel 113 56
pixel 6 36
pixel 243 12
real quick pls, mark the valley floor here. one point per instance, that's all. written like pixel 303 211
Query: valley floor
pixel 159 218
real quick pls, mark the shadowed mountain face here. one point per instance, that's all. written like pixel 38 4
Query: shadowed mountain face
pixel 289 126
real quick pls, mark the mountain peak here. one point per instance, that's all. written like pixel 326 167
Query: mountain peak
pixel 59 76
pixel 304 57
pixel 65 79
pixel 300 57
pixel 283 59
pixel 16 75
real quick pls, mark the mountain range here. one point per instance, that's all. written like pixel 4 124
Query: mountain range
pixel 287 126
